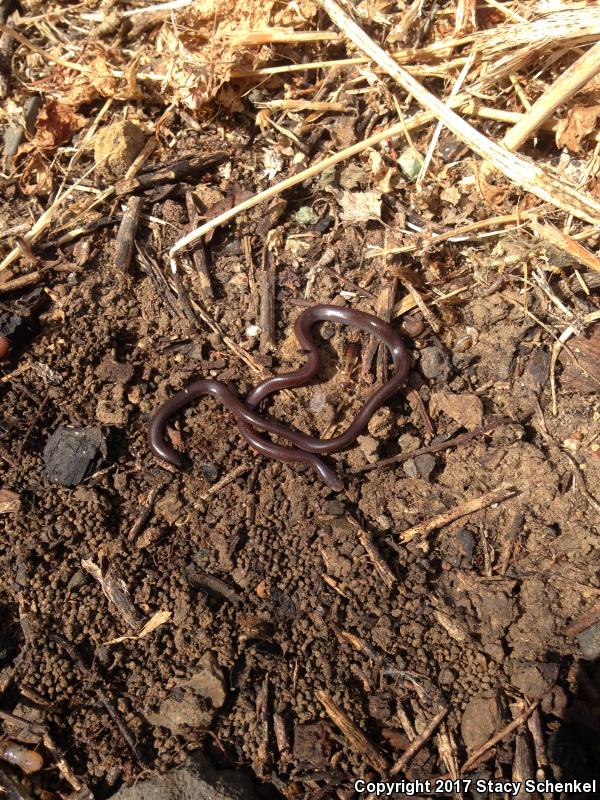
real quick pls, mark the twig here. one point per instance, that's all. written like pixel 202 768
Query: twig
pixel 199 255
pixel 566 243
pixel 564 87
pixel 584 621
pixel 125 241
pixel 516 723
pixel 266 289
pixel 116 592
pixel 147 507
pixel 43 53
pixel 469 507
pixel 356 739
pixel 21 282
pixel 419 741
pixel 521 171
pixel 457 234
pixel 458 441
pixel 170 174
pixel 235 473
pixel 211 585
pixel 367 541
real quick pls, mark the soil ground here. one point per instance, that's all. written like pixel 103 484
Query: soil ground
pixel 478 606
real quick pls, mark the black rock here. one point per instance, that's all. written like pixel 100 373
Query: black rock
pixel 71 453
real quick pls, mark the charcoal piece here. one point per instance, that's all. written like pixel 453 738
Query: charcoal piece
pixel 71 453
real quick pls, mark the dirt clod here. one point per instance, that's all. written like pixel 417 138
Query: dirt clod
pixel 117 145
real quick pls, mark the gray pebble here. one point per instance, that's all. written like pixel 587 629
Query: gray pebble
pixel 434 364
pixel 589 642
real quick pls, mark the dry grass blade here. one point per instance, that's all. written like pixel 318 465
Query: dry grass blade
pixel 520 170
pixel 564 87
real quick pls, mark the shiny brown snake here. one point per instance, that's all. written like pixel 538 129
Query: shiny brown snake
pixel 306 448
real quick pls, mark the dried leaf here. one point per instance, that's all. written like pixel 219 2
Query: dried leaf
pixel 36 178
pixel 155 621
pixel 198 55
pixel 56 124
pixel 359 206
pixel 580 121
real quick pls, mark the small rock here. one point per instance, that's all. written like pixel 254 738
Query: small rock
pixel 317 402
pixel 482 718
pixel 381 423
pixel 466 543
pixel 334 507
pixel 533 679
pixel 368 446
pixel 70 453
pixel 410 468
pixel 210 471
pixel 208 681
pixel 195 780
pixel 464 408
pixel 306 216
pixel 447 677
pixel 425 465
pixel 117 146
pixel 9 501
pixel 312 744
pixel 114 371
pixel 380 707
pixel 192 704
pixel 108 412
pixel 410 162
pixel 589 642
pixel 407 442
pixel 435 364
pixel 352 176
pixel 555 702
pixel 537 370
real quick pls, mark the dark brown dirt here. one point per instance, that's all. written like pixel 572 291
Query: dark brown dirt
pixel 108 350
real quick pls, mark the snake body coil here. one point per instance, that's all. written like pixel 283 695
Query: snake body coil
pixel 306 448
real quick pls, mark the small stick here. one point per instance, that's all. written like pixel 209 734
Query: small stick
pixel 516 723
pixel 199 254
pixel 212 586
pixel 146 510
pixel 367 541
pixel 356 739
pixel 534 723
pixel 462 439
pixel 21 282
pixel 565 86
pixel 266 287
pixel 125 241
pixel 469 507
pixel 458 234
pixel 418 743
pixel 584 621
pixel 235 473
pixel 171 174
pixel 566 243
pixel 416 402
pixel 43 53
